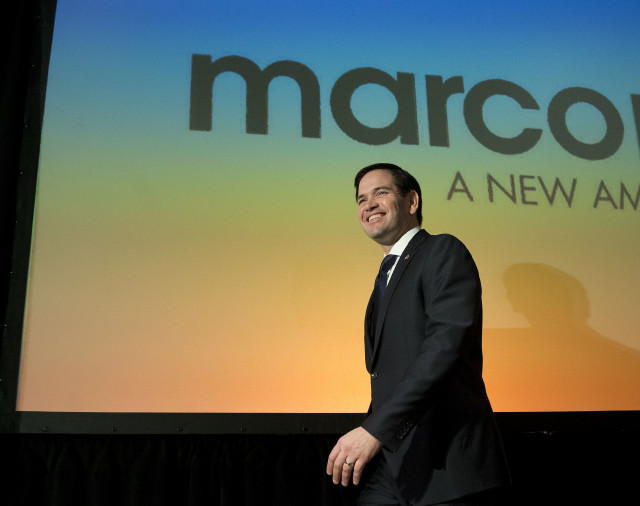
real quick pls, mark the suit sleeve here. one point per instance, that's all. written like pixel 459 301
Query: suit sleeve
pixel 450 286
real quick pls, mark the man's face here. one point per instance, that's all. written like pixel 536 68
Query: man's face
pixel 384 214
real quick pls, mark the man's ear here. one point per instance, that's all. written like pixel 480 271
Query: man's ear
pixel 414 200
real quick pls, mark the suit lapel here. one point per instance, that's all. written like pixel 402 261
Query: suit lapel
pixel 368 334
pixel 403 262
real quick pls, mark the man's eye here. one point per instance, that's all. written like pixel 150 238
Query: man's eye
pixel 381 192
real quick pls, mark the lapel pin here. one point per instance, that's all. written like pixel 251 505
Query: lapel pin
pixel 407 257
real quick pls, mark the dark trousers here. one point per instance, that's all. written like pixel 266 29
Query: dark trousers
pixel 380 489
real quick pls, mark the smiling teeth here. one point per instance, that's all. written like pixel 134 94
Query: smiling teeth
pixel 374 216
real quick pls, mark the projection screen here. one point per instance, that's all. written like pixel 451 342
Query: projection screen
pixel 195 244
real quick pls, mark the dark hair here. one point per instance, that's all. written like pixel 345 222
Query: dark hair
pixel 404 181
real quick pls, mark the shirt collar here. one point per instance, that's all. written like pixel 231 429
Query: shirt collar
pixel 399 246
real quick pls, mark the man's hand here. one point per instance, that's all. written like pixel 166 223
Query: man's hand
pixel 350 454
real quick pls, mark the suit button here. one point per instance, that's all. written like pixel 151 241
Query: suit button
pixel 374 375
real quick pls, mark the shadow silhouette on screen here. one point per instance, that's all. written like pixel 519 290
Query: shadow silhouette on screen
pixel 558 363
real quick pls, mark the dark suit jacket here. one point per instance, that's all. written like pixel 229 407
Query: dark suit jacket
pixel 429 406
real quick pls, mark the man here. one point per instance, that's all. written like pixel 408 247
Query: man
pixel 429 436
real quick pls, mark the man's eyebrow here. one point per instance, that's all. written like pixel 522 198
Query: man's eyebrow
pixel 377 188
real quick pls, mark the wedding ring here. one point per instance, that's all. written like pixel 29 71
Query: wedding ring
pixel 347 463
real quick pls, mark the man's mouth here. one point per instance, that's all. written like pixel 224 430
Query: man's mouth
pixel 374 217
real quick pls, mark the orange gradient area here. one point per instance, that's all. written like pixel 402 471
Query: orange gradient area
pixel 558 362
pixel 233 277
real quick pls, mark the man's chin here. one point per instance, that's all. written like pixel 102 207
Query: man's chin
pixel 381 238
pixel 375 234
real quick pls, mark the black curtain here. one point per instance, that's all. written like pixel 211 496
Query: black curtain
pixel 548 468
pixel 168 470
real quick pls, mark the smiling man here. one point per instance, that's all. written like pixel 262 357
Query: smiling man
pixel 429 436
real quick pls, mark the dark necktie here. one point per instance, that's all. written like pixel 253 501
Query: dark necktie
pixel 381 280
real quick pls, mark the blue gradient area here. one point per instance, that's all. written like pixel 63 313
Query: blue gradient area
pixel 120 70
pixel 136 55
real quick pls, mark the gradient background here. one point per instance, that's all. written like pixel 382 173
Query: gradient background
pixel 176 270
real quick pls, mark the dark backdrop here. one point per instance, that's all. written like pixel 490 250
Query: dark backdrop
pixel 582 458
pixel 565 467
